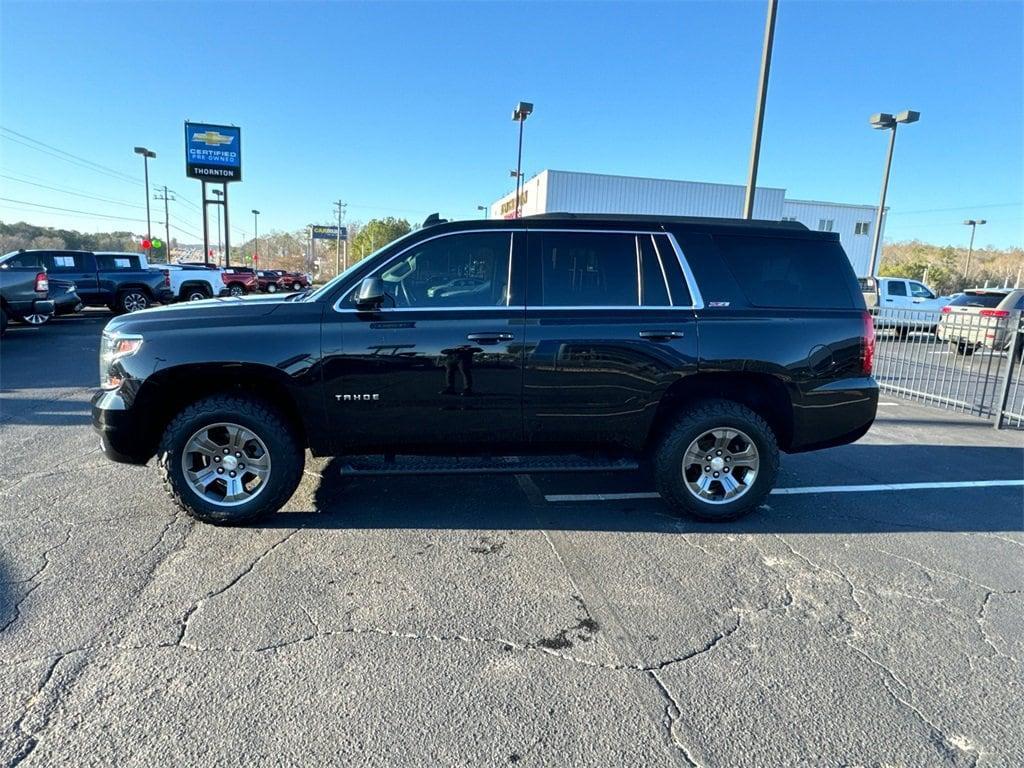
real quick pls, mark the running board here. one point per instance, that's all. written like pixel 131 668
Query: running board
pixel 496 465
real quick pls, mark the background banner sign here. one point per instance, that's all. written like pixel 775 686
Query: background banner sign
pixel 326 232
pixel 213 152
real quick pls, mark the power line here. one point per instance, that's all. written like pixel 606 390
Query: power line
pixel 68 191
pixel 68 156
pixel 69 210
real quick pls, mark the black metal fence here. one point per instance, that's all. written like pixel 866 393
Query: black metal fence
pixel 961 361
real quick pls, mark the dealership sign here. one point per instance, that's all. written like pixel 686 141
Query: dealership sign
pixel 213 152
pixel 327 232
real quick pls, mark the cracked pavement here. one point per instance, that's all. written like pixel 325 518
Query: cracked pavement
pixel 466 621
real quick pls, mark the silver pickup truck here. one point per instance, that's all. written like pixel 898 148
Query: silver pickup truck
pixel 23 291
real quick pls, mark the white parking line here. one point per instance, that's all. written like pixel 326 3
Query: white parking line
pixel 555 498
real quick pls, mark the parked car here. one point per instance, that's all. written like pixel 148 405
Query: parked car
pixel 890 298
pixel 268 279
pixel 701 347
pixel 240 281
pixel 981 317
pixel 195 283
pixel 121 281
pixel 24 292
pixel 295 281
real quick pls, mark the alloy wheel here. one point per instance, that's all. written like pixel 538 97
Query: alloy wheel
pixel 133 301
pixel 236 290
pixel 35 319
pixel 720 465
pixel 226 464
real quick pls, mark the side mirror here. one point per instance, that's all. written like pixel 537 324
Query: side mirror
pixel 370 294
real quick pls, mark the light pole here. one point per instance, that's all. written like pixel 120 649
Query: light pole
pixel 762 96
pixel 482 208
pixel 146 154
pixel 523 110
pixel 883 121
pixel 973 224
pixel 256 238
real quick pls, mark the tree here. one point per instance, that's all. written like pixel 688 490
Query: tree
pixel 376 233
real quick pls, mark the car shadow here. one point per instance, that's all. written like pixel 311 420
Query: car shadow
pixel 44 413
pixel 505 502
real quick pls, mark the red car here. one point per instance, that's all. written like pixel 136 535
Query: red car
pixel 268 280
pixel 240 281
pixel 296 281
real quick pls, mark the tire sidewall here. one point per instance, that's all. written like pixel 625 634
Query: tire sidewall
pixel 286 459
pixel 668 463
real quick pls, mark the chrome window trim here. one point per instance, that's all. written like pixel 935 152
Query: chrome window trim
pixel 509 231
pixel 639 277
pixel 697 301
pixel 661 263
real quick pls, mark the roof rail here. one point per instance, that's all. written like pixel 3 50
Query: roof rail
pixel 652 218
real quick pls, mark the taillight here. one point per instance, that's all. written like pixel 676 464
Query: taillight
pixel 867 350
pixel 946 310
pixel 994 313
pixel 42 283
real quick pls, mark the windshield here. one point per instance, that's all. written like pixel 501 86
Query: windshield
pixel 328 287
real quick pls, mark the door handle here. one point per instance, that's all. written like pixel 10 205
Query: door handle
pixel 661 335
pixel 888 299
pixel 490 338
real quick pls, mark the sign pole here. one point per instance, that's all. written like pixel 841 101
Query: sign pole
pixel 206 227
pixel 227 229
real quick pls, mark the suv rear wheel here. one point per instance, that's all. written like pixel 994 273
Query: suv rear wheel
pixel 718 462
pixel 195 293
pixel 236 289
pixel 230 460
pixel 271 288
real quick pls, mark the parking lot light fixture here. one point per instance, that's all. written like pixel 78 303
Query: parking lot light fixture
pixel 886 121
pixel 973 224
pixel 146 154
pixel 482 208
pixel 522 111
pixel 256 237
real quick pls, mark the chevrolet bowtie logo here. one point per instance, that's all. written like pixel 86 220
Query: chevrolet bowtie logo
pixel 212 138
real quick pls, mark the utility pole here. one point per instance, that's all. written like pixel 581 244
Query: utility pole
pixel 973 224
pixel 167 222
pixel 340 210
pixel 762 97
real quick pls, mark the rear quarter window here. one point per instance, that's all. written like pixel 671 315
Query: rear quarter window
pixel 790 273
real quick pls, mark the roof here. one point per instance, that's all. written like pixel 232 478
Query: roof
pixel 702 221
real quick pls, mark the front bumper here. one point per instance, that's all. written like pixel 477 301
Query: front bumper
pixel 122 437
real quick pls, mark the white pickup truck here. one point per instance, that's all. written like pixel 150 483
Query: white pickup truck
pixel 902 305
pixel 190 282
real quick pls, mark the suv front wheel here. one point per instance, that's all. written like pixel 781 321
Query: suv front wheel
pixel 718 462
pixel 230 460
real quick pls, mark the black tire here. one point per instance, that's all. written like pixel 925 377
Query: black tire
pixel 902 332
pixel 962 348
pixel 287 458
pixel 691 424
pixel 236 289
pixel 195 293
pixel 131 300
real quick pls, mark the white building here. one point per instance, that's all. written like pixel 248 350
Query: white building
pixel 570 192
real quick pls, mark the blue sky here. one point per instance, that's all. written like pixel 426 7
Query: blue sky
pixel 404 108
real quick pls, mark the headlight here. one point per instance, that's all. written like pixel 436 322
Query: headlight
pixel 114 347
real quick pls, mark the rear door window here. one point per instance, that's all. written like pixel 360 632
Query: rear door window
pixel 896 288
pixel 585 269
pixel 919 291
pixel 117 261
pixel 789 272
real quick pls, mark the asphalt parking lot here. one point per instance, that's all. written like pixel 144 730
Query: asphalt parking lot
pixel 530 620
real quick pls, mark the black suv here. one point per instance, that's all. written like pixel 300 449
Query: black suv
pixel 699 347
